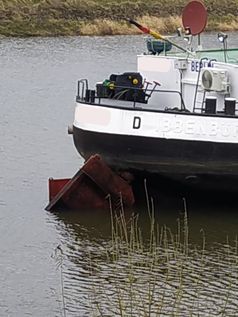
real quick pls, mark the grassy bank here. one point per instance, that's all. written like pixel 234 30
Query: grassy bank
pixel 81 17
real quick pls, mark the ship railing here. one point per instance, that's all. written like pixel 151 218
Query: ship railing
pixel 133 96
pixel 82 88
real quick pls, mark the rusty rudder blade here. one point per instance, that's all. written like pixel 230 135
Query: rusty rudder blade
pixel 89 188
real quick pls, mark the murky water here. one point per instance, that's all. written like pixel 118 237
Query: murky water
pixel 37 87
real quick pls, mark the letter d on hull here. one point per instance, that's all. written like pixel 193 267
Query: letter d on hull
pixel 136 123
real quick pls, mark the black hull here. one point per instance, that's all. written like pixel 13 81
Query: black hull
pixel 192 162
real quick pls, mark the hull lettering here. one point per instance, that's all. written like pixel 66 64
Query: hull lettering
pixel 136 123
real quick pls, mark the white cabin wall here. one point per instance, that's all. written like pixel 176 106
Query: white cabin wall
pixel 162 69
pixel 233 79
pixel 189 81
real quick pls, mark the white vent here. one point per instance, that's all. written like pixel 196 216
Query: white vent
pixel 215 79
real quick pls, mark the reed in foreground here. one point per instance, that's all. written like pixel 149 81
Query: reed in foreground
pixel 161 273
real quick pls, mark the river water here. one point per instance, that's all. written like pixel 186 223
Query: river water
pixel 38 87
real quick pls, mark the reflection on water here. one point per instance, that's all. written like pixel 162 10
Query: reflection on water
pixel 197 276
pixel 37 86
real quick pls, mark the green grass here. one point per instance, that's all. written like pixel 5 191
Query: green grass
pixel 76 17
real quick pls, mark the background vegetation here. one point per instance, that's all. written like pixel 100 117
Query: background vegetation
pixel 104 17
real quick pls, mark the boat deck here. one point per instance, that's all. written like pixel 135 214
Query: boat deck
pixel 149 107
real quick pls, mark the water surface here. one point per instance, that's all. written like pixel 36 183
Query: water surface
pixel 38 86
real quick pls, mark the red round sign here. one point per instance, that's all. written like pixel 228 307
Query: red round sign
pixel 195 17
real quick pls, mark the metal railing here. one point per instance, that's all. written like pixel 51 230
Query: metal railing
pixel 138 96
pixel 82 88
